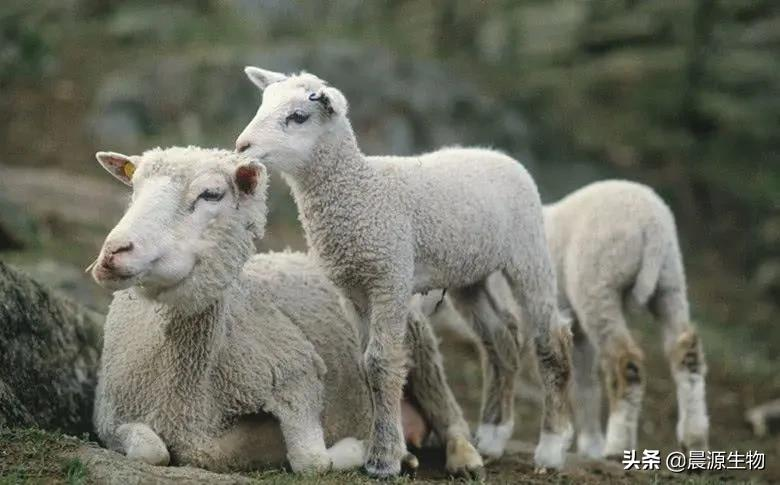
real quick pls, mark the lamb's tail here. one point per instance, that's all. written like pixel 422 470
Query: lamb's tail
pixel 654 252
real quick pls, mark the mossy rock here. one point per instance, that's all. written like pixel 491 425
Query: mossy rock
pixel 49 351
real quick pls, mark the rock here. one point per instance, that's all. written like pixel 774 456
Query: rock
pixel 17 230
pixel 37 456
pixel 72 199
pixel 108 467
pixel 49 351
pixel 69 280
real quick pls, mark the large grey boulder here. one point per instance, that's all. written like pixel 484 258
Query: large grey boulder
pixel 49 351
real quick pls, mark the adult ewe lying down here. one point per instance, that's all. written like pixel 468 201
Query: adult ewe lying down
pixel 614 243
pixel 384 228
pixel 220 359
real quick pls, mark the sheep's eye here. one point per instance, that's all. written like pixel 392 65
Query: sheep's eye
pixel 297 117
pixel 211 195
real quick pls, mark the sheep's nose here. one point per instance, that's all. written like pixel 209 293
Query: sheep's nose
pixel 112 250
pixel 242 146
pixel 119 248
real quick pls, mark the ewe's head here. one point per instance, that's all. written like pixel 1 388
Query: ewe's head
pixel 295 113
pixel 190 224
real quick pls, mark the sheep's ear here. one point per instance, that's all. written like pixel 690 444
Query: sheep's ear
pixel 120 166
pixel 331 100
pixel 263 78
pixel 249 177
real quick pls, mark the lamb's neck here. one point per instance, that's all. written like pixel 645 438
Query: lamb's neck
pixel 335 162
pixel 192 341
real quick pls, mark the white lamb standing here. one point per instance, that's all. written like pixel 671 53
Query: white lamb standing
pixel 220 359
pixel 385 228
pixel 612 240
pixel 615 246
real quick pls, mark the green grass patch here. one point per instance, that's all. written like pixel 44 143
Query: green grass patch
pixel 282 477
pixel 36 456
pixel 75 472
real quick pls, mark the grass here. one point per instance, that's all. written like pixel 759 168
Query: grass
pixel 37 456
pixel 283 477
pixel 75 472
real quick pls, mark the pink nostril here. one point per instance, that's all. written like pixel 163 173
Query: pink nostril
pixel 242 146
pixel 111 251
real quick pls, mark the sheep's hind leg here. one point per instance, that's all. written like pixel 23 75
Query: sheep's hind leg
pixel 428 386
pixel 686 359
pixel 533 284
pixel 385 360
pixel 499 350
pixel 623 370
pixel 140 443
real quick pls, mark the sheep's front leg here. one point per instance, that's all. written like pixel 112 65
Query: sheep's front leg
pixel 305 441
pixel 138 442
pixel 586 395
pixel 385 360
pixel 428 386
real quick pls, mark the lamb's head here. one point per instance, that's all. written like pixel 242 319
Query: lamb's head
pixel 190 224
pixel 296 112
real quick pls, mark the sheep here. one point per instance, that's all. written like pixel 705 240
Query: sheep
pixel 614 244
pixel 385 228
pixel 490 315
pixel 216 358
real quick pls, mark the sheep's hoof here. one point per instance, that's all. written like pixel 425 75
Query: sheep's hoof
pixel 491 439
pixel 155 457
pixel 463 460
pixel 590 445
pixel 142 444
pixel 473 474
pixel 550 453
pixel 692 434
pixel 615 452
pixel 381 469
pixel 409 465
pixel 697 444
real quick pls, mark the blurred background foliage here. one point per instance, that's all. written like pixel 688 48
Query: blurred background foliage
pixel 683 95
